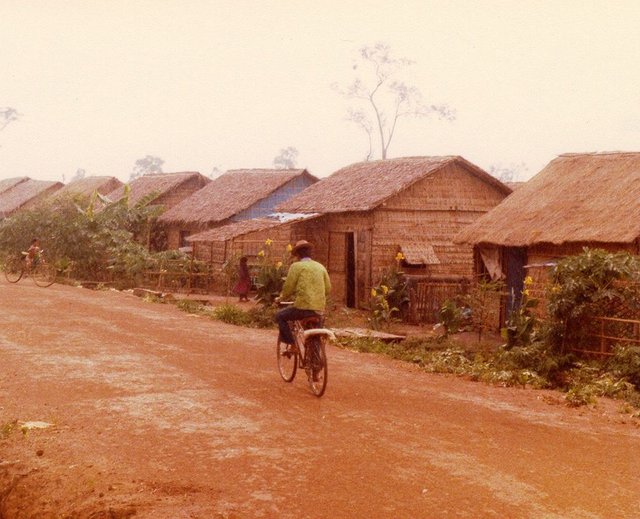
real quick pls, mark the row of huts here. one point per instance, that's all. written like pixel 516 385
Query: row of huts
pixel 451 220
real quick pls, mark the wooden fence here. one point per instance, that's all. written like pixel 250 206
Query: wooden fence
pixel 176 275
pixel 426 298
pixel 607 332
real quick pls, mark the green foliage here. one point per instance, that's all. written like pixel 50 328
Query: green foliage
pixel 480 300
pixel 390 297
pixel 272 273
pixel 451 317
pixel 625 363
pixel 230 272
pixel 520 328
pixel 580 395
pixel 94 237
pixel 231 314
pixel 586 286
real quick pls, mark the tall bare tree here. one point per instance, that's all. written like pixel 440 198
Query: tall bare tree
pixel 381 100
pixel 286 159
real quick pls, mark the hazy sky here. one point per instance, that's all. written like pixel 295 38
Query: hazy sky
pixel 227 84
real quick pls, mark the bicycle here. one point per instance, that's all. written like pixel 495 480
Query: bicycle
pixel 42 273
pixel 308 353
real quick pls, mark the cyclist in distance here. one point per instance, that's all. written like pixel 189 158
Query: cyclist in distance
pixel 307 285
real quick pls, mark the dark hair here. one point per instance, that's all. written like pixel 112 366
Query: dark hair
pixel 303 252
pixel 34 240
pixel 243 259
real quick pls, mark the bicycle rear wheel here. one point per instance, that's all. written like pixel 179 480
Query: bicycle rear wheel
pixel 44 274
pixel 287 361
pixel 318 373
pixel 13 270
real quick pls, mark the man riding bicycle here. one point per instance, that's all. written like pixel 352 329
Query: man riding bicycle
pixel 308 284
pixel 33 253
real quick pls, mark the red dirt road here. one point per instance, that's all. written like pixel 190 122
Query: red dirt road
pixel 157 414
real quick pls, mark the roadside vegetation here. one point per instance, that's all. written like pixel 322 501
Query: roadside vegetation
pixel 91 238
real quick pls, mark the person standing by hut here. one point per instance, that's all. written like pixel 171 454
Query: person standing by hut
pixel 244 280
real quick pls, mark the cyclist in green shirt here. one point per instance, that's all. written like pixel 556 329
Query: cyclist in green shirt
pixel 308 285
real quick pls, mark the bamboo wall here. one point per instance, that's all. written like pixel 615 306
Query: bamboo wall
pixel 434 210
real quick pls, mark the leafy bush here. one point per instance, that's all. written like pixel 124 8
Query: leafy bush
pixel 520 328
pixel 451 317
pixel 480 300
pixel 625 363
pixel 389 297
pixel 97 244
pixel 231 314
pixel 589 285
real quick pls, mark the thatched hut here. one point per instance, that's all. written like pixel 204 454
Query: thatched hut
pixel 26 194
pixel 8 183
pixel 88 185
pixel 164 189
pixel 576 201
pixel 360 217
pixel 235 196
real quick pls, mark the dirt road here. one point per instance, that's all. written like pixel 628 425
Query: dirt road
pixel 158 414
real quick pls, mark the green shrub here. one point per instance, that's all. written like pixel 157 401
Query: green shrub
pixel 231 314
pixel 588 285
pixel 390 297
pixel 450 317
pixel 580 395
pixel 625 363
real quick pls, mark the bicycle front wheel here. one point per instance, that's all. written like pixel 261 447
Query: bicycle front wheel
pixel 13 270
pixel 318 371
pixel 44 275
pixel 287 361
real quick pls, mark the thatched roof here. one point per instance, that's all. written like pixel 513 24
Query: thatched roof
pixel 592 197
pixel 87 186
pixel 229 194
pixel 233 230
pixel 514 185
pixel 8 183
pixel 365 185
pixel 24 192
pixel 155 183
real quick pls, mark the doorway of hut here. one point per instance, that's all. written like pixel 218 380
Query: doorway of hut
pixel 514 260
pixel 350 249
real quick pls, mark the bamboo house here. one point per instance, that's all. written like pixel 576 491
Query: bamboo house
pixel 576 201
pixel 360 217
pixel 234 196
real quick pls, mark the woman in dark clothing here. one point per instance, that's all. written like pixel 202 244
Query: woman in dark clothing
pixel 244 280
